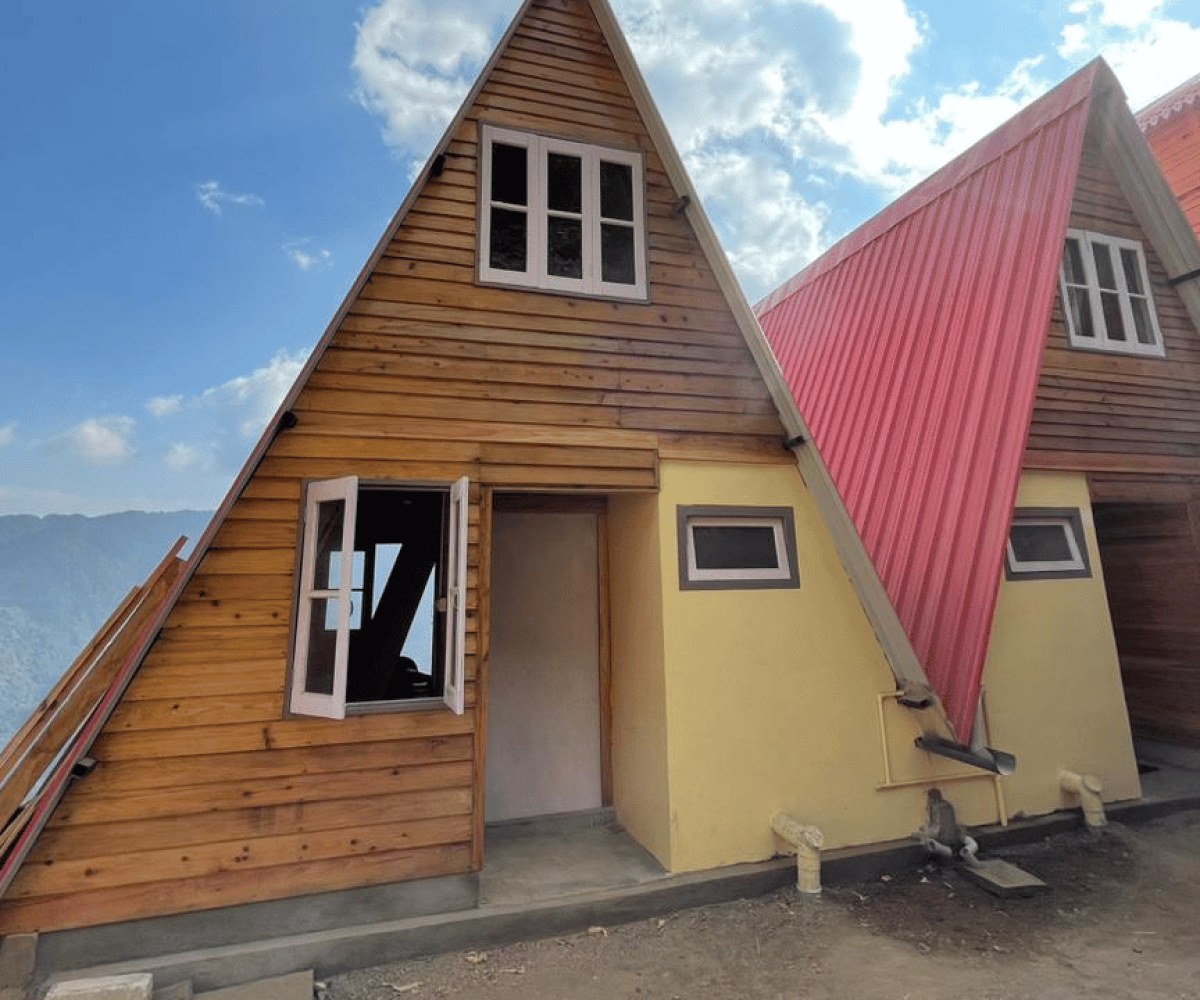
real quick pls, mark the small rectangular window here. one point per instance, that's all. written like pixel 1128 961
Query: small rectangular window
pixel 1046 543
pixel 1106 295
pixel 380 612
pixel 561 215
pixel 727 548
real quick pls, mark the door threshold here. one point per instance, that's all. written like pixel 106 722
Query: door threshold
pixel 551 823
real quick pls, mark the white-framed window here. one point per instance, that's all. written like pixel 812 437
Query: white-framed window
pixel 380 611
pixel 1106 295
pixel 736 548
pixel 561 215
pixel 1046 543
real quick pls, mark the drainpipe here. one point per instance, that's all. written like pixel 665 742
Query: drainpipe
pixel 1088 787
pixel 807 841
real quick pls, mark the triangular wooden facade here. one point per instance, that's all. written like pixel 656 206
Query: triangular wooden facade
pixel 206 795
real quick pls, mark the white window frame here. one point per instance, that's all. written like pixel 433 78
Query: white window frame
pixel 1071 523
pixel 333 706
pixel 781 521
pixel 538 213
pixel 1102 341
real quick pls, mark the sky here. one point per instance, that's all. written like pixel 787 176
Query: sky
pixel 189 190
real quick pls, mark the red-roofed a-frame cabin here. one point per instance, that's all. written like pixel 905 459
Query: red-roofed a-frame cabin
pixel 1002 372
pixel 1171 125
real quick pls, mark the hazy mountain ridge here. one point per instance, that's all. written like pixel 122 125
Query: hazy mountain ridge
pixel 61 576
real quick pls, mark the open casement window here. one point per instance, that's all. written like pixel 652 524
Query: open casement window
pixel 1046 544
pixel 736 548
pixel 1106 295
pixel 381 610
pixel 561 215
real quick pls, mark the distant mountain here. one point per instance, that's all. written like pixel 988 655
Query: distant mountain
pixel 61 576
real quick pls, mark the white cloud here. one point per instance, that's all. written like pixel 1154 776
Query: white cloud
pixel 1149 51
pixel 304 256
pixel 415 64
pixel 212 197
pixel 251 400
pixel 185 457
pixel 164 406
pixel 8 434
pixel 102 440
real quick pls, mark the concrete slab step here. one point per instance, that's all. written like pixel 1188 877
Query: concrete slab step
pixel 295 986
pixel 1003 879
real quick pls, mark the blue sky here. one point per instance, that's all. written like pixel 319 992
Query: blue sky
pixel 190 189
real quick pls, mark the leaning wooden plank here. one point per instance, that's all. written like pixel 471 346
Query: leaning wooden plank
pixel 157 604
pixel 71 704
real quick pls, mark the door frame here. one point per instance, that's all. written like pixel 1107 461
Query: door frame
pixel 492 500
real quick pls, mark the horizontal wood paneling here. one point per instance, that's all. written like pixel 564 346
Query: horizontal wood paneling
pixel 206 793
pixel 1111 412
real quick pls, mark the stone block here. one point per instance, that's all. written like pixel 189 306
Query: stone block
pixel 18 955
pixel 135 986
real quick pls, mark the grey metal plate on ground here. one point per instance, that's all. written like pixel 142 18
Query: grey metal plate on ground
pixel 1003 879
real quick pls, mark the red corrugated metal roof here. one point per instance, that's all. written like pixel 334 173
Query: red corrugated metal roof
pixel 913 348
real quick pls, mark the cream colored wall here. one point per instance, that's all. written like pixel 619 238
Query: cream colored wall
pixel 639 724
pixel 1053 682
pixel 772 696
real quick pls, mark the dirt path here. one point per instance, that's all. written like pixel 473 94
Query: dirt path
pixel 1120 922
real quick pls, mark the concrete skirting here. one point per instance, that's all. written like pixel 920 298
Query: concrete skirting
pixel 361 944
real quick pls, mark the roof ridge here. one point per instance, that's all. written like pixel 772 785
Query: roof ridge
pixel 1170 104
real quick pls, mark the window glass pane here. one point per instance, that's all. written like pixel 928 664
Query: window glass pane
pixel 327 566
pixel 564 247
pixel 509 174
pixel 616 191
pixel 1073 263
pixel 322 643
pixel 1133 272
pixel 735 546
pixel 418 647
pixel 1143 328
pixel 1080 305
pixel 508 250
pixel 1104 265
pixel 564 184
pixel 1041 543
pixel 1114 322
pixel 617 254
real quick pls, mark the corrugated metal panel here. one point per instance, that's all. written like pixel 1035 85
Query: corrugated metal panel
pixel 913 349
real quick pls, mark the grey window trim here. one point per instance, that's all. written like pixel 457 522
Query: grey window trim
pixel 782 518
pixel 1072 521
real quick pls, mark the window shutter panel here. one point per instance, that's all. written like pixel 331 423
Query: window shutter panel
pixel 454 691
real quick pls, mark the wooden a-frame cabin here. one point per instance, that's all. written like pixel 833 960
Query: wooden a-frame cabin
pixel 539 529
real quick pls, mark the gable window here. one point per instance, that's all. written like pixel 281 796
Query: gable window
pixel 380 613
pixel 732 548
pixel 1046 543
pixel 1106 295
pixel 561 215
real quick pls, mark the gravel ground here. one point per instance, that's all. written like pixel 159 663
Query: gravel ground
pixel 1120 921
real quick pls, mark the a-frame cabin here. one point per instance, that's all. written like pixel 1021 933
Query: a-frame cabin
pixel 537 530
pixel 1171 125
pixel 1002 371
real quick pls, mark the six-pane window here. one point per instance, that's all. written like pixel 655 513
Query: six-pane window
pixel 1106 295
pixel 561 215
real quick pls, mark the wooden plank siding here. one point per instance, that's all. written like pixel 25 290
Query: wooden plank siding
pixel 206 794
pixel 1114 414
pixel 1152 575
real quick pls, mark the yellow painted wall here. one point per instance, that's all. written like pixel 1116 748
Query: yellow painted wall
pixel 772 696
pixel 639 725
pixel 1053 681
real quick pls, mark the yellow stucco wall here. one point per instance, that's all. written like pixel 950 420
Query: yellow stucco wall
pixel 1053 681
pixel 771 697
pixel 639 725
